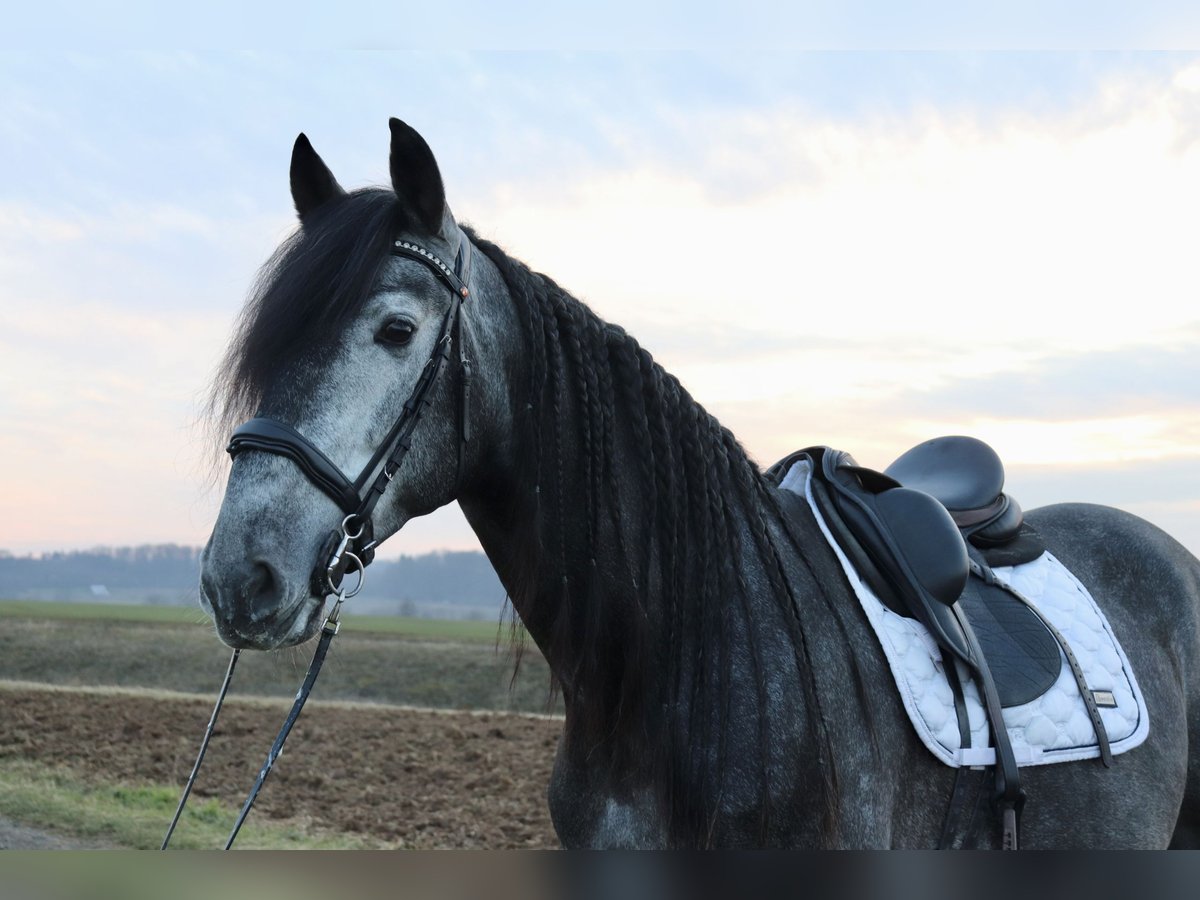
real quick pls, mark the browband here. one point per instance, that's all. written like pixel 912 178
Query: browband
pixel 457 278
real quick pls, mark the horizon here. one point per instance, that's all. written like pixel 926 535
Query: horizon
pixel 110 549
pixel 989 243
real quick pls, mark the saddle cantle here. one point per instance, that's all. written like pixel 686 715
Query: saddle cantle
pixel 966 476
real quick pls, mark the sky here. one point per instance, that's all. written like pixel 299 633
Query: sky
pixel 862 248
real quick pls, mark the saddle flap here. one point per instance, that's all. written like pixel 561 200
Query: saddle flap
pixel 927 540
pixel 930 547
pixel 1021 652
pixel 910 540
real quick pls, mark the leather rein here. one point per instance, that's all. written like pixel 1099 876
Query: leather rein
pixel 353 546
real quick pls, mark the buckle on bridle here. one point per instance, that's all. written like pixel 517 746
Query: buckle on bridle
pixel 342 558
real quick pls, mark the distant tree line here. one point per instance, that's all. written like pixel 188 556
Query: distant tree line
pixel 147 566
pixel 445 578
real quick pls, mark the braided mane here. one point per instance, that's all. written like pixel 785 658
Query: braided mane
pixel 679 563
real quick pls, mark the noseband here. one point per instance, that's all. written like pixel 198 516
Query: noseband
pixel 355 544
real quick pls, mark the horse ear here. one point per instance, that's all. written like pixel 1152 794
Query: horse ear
pixel 313 184
pixel 415 177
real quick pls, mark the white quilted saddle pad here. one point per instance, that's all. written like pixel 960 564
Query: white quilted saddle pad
pixel 1053 728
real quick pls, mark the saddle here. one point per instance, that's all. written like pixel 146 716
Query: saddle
pixel 924 535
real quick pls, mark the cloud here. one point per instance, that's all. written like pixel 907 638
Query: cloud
pixel 1007 232
pixel 1023 272
pixel 755 26
pixel 817 269
pixel 145 259
pixel 1121 382
pixel 1165 481
pixel 19 223
pixel 722 342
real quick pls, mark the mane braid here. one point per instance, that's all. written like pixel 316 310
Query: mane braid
pixel 663 542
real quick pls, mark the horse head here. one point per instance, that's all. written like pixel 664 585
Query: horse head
pixel 354 355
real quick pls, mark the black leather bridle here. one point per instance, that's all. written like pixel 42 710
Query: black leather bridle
pixel 355 543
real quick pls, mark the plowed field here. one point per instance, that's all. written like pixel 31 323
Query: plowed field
pixel 408 778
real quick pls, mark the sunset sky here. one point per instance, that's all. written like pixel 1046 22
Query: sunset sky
pixel 860 249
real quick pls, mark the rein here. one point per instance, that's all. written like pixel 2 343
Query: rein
pixel 353 545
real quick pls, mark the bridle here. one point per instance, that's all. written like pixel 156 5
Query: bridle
pixel 354 544
pixel 357 499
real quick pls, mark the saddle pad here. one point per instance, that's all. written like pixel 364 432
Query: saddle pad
pixel 1051 728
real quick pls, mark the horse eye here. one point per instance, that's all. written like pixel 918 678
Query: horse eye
pixel 396 331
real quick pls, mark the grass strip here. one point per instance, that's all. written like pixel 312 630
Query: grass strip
pixel 119 612
pixel 136 816
pixel 402 626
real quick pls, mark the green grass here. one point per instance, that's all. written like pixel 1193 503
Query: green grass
pixel 419 662
pixel 132 816
pixel 117 612
pixel 429 629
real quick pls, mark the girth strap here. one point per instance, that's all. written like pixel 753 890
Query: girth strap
pixel 963 802
pixel 1009 795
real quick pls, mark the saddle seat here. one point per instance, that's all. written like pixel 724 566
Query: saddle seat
pixel 963 473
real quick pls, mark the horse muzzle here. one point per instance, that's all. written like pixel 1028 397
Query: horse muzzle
pixel 253 608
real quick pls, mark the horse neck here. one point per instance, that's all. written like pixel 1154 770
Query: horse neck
pixel 568 536
pixel 676 590
pixel 532 544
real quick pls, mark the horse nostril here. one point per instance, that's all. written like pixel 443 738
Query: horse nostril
pixel 264 589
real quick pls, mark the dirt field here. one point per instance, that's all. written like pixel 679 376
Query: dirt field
pixel 410 778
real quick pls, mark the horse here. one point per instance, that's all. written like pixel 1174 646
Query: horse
pixel 720 683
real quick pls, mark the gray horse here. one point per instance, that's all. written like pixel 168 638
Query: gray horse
pixel 721 683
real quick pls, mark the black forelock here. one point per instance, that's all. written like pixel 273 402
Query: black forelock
pixel 313 284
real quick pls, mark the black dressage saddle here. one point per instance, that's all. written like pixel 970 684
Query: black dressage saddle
pixel 924 535
pixel 912 533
